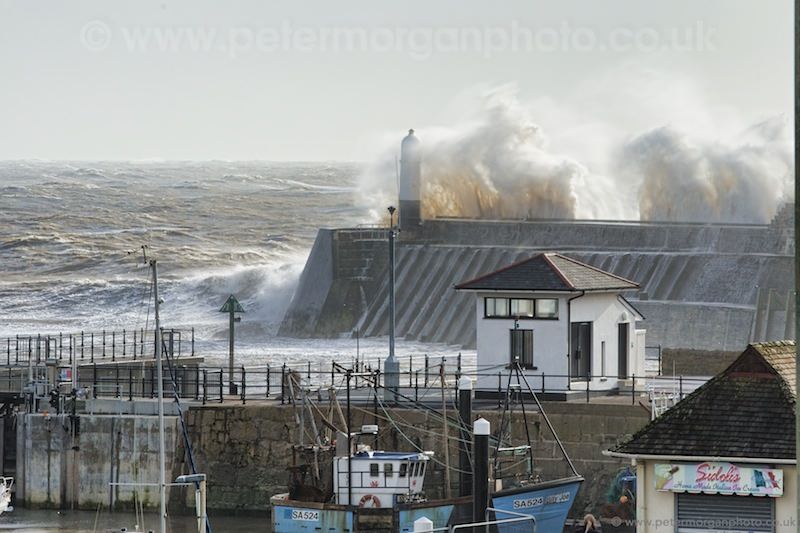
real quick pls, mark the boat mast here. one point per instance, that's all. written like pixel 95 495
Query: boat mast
pixel 162 484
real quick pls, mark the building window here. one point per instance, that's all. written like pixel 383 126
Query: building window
pixel 521 307
pixel 603 358
pixel 522 347
pixel 373 470
pixel 547 308
pixel 496 307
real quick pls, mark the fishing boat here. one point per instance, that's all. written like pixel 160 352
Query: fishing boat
pixel 345 486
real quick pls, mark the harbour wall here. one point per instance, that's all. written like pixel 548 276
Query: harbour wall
pixel 245 449
pixel 703 286
pixel 66 462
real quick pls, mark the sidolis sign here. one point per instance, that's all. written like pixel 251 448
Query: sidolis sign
pixel 713 477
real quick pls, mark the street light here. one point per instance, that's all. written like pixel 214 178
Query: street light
pixel 392 366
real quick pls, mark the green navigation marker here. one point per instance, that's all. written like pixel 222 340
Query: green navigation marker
pixel 231 306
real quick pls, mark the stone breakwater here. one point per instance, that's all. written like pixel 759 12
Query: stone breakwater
pixel 245 449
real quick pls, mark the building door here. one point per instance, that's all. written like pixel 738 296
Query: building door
pixel 580 350
pixel 622 347
pixel 733 514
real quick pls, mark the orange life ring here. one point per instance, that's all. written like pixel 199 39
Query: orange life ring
pixel 376 503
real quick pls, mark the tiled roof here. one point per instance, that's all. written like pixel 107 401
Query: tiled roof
pixel 746 411
pixel 549 272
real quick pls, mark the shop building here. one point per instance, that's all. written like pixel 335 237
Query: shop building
pixel 723 458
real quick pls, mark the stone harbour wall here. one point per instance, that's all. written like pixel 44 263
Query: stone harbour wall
pixel 245 449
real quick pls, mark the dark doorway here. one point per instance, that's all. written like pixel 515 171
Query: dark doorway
pixel 580 350
pixel 622 347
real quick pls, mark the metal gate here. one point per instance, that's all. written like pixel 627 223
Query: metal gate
pixel 715 512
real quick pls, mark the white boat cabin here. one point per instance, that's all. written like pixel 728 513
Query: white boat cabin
pixel 379 479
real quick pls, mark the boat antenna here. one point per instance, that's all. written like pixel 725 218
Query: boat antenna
pixel 162 483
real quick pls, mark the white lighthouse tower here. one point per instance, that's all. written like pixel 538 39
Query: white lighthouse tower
pixel 410 175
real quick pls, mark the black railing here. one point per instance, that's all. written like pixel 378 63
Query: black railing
pixel 284 382
pixel 93 346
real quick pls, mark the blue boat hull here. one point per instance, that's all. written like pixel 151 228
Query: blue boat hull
pixel 549 503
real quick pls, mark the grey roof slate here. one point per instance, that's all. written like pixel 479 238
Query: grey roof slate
pixel 548 272
pixel 747 411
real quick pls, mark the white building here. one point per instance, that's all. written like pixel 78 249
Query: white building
pixel 566 323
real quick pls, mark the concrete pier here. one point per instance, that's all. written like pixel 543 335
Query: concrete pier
pixel 704 286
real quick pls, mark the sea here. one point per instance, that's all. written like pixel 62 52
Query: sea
pixel 71 256
pixel 71 260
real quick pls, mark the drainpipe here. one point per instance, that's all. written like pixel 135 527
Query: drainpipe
pixel 641 491
pixel 569 338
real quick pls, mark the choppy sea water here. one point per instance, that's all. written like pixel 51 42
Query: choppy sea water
pixel 71 236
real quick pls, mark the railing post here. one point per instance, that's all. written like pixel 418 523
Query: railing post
pixel 113 345
pixel 283 384
pixel 588 382
pixel 8 352
pixel 633 389
pixel 308 374
pixel 427 362
pixel 60 345
pixel 244 385
pixel 268 381
pixel 542 382
pixel 333 370
pixel 659 359
pixel 152 383
pixel 116 379
pixel 94 380
pixel 104 344
pixel 192 342
pixel 205 386
pixel 499 389
pixel 680 390
pixel 458 368
pixel 196 382
pixel 82 345
pixel 124 346
pixel 91 346
pixel 130 384
pixel 416 386
pixel 221 396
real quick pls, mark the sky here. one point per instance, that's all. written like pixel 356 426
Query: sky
pixel 321 80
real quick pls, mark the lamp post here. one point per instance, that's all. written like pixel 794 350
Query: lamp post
pixel 392 365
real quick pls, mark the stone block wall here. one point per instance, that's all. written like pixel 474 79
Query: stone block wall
pixel 245 449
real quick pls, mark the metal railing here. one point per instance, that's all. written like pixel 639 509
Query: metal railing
pixel 284 382
pixel 92 346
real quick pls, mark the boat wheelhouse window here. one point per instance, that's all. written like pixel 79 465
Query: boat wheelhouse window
pixel 403 469
pixel 373 470
pixel 547 308
pixel 522 307
pixel 522 347
pixel 495 307
pixel 388 470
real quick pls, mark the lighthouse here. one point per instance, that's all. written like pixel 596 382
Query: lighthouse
pixel 410 174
